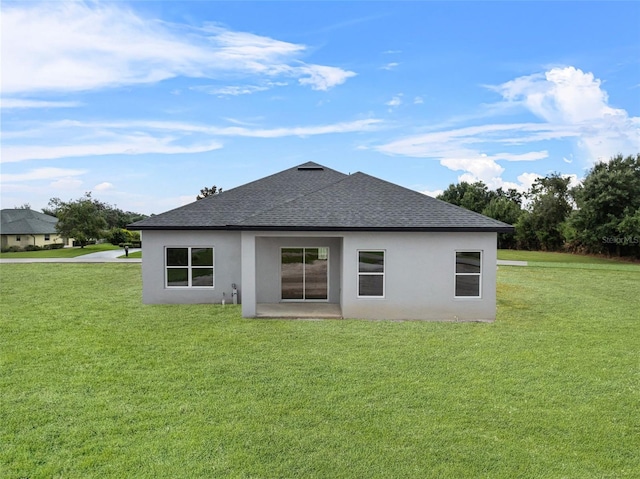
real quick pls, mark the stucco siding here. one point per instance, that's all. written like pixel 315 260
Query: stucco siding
pixel 419 271
pixel 420 276
pixel 30 240
pixel 227 269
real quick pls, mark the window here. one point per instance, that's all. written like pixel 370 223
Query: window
pixel 17 238
pixel 370 274
pixel 468 274
pixel 189 267
pixel 47 237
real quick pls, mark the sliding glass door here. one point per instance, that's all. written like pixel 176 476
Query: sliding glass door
pixel 305 274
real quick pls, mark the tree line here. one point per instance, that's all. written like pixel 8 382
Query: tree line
pixel 599 216
pixel 87 218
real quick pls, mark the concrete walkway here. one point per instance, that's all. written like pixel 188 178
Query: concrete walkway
pixel 504 262
pixel 110 256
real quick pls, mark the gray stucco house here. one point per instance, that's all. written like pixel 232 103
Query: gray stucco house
pixel 354 245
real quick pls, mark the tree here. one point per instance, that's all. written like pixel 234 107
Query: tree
pixel 80 219
pixel 472 196
pixel 114 216
pixel 542 226
pixel 206 191
pixel 608 216
pixel 25 206
pixel 505 207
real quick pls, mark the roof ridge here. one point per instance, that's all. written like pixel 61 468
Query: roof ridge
pixel 290 200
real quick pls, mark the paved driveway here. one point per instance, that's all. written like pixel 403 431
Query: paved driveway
pixel 99 257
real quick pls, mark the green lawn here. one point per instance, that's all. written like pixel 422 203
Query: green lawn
pixel 61 253
pixel 94 384
pixel 546 257
pixel 134 254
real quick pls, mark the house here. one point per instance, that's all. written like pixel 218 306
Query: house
pixel 21 228
pixel 353 246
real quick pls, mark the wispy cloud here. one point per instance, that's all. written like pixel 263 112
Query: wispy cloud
pixel 11 103
pixel 390 66
pixel 76 46
pixel 39 174
pixel 395 101
pixel 235 90
pixel 120 145
pixel 67 138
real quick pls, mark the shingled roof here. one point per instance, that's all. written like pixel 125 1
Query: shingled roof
pixel 26 222
pixel 311 197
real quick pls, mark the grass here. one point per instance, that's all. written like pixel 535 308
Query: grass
pixel 61 253
pixel 549 257
pixel 134 254
pixel 95 384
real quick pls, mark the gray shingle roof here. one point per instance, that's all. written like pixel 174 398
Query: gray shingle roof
pixel 314 198
pixel 26 222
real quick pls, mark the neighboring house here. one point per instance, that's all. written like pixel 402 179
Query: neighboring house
pixel 22 228
pixel 369 248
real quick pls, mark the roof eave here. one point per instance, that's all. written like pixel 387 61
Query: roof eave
pixel 430 229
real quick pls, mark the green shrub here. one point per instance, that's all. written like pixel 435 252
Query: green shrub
pixel 32 247
pixel 53 246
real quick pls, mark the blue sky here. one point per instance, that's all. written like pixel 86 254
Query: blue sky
pixel 144 103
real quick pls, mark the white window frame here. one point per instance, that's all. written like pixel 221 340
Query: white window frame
pixel 47 237
pixel 383 273
pixel 456 274
pixel 189 267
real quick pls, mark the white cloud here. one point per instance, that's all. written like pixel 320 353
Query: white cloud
pixel 466 142
pixel 418 100
pixel 231 90
pixel 483 168
pixel 395 101
pixel 119 146
pixel 569 97
pixel 10 103
pixel 75 46
pixel 41 174
pixel 104 186
pixel 320 77
pixel 390 66
pixel 66 184
pixel 75 139
pixel 432 193
pixel 571 105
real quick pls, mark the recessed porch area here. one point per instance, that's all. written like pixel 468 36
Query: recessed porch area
pixel 308 310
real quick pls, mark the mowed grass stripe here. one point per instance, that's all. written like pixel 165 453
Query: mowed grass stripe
pixel 95 384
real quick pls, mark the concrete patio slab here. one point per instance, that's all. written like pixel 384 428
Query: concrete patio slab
pixel 299 310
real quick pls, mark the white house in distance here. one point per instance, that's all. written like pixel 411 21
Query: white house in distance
pixel 350 246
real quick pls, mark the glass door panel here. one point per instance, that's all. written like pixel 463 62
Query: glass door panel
pixel 315 273
pixel 292 273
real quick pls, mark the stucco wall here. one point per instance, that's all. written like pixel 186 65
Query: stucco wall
pixel 419 271
pixel 226 266
pixel 419 276
pixel 27 240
